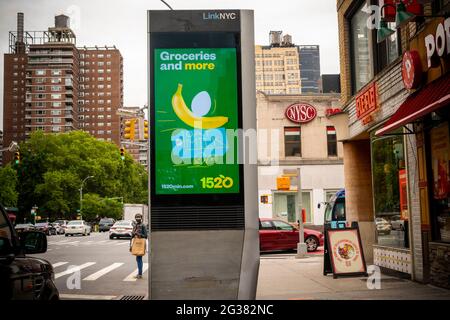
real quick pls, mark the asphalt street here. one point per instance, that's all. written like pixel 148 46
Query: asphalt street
pixel 106 267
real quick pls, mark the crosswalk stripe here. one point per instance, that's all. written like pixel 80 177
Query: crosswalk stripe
pixel 73 269
pixel 131 275
pixel 103 271
pixel 58 264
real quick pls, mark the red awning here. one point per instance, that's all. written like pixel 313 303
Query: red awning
pixel 433 96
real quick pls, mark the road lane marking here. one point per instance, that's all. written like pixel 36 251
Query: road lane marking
pixel 85 297
pixel 103 271
pixel 59 264
pixel 74 269
pixel 64 243
pixel 131 275
pixel 121 243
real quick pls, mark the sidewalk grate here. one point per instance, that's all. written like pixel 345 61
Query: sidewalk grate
pixel 387 280
pixel 132 298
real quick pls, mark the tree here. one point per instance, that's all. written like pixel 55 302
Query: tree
pixel 8 184
pixel 54 165
pixel 96 207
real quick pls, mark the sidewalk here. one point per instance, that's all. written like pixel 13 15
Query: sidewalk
pixel 284 277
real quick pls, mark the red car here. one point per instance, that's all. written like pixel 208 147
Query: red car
pixel 279 235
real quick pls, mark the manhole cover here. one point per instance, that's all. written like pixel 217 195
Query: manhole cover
pixel 130 297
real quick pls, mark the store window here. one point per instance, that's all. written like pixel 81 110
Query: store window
pixel 439 161
pixel 284 206
pixel 389 191
pixel 292 142
pixel 331 141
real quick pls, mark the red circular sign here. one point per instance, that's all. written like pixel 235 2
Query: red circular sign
pixel 411 69
pixel 300 112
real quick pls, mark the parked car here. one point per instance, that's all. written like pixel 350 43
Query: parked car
pixel 397 223
pixel 45 227
pixel 24 227
pixel 383 226
pixel 280 235
pixel 120 229
pixel 62 224
pixel 105 224
pixel 24 277
pixel 78 227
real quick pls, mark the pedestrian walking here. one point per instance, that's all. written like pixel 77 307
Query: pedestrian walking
pixel 138 241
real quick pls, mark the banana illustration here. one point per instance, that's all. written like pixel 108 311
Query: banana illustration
pixel 186 115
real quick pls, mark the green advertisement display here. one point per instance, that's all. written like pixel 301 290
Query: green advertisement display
pixel 195 121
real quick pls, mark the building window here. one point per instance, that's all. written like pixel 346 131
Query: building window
pixel 361 55
pixel 56 96
pixel 292 142
pixel 56 72
pixel 40 72
pixel 388 50
pixel 331 141
pixel 56 120
pixel 388 174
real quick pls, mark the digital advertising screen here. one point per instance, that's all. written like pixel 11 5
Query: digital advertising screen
pixel 196 117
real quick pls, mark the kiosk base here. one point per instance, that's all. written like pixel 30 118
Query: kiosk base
pixel 198 265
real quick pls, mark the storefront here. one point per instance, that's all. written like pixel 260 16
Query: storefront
pixel 425 115
pixel 294 131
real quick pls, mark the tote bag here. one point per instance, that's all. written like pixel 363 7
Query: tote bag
pixel 138 247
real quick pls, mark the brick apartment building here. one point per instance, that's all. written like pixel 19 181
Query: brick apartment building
pixel 54 86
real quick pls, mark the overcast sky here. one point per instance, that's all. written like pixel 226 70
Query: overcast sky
pixel 124 23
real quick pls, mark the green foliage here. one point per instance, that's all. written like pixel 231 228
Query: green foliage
pixel 96 207
pixel 8 183
pixel 53 167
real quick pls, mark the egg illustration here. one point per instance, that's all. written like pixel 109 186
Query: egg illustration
pixel 201 104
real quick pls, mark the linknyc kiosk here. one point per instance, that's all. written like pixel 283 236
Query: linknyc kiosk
pixel 204 241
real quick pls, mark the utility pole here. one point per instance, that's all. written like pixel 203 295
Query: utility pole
pixel 301 246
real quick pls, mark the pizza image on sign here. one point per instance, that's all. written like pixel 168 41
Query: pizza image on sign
pixel 346 251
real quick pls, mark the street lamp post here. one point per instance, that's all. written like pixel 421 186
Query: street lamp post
pixel 81 195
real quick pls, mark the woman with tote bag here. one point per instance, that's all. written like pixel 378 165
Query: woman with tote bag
pixel 138 243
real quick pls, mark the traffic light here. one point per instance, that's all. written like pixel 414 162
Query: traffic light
pixel 17 157
pixel 129 129
pixel 122 153
pixel 145 129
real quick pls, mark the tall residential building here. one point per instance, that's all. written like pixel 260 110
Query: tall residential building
pixel 101 92
pixel 279 66
pixel 54 86
pixel 310 68
pixel 51 83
